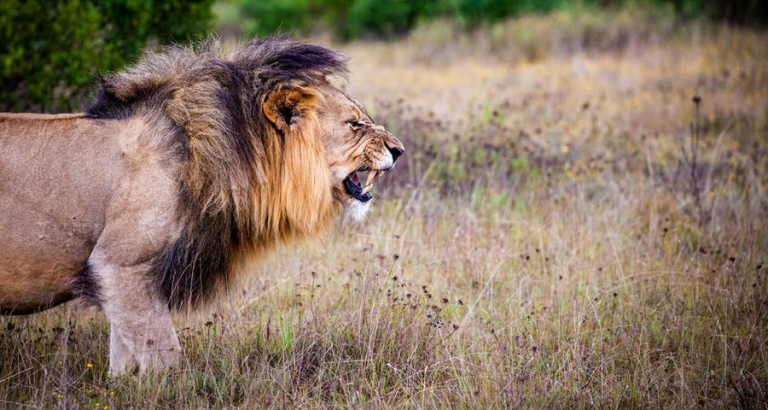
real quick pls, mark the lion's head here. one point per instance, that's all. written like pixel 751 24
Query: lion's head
pixel 356 149
pixel 270 149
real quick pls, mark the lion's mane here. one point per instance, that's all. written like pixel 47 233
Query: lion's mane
pixel 243 186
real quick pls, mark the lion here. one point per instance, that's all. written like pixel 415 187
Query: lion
pixel 184 169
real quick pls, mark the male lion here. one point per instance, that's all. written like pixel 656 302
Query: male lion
pixel 184 168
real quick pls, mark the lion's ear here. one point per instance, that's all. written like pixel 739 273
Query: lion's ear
pixel 286 107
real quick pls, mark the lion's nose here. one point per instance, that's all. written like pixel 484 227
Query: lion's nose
pixel 395 151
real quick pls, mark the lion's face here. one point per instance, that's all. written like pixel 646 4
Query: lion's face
pixel 357 150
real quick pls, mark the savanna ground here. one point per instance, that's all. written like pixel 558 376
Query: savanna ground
pixel 564 231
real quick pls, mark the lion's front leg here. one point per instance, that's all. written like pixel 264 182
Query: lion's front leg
pixel 148 347
pixel 142 334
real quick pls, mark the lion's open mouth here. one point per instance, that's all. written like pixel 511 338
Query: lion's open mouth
pixel 360 191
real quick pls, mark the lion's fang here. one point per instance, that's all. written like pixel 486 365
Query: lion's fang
pixel 369 182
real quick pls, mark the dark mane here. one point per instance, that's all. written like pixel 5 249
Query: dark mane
pixel 214 100
pixel 268 61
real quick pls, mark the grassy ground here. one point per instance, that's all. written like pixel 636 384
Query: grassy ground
pixel 548 240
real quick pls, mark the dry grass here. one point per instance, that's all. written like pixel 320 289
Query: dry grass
pixel 540 246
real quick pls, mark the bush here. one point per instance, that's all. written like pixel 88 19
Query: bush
pixel 353 19
pixel 51 51
pixel 473 12
pixel 752 12
pixel 380 18
pixel 348 19
pixel 266 17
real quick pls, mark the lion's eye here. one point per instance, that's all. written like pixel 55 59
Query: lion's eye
pixel 355 124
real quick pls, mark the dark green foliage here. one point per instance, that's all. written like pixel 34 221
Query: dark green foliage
pixel 128 24
pixel 347 19
pixel 749 12
pixel 350 19
pixel 277 16
pixel 752 12
pixel 50 51
pixel 476 11
pixel 383 18
pixel 46 52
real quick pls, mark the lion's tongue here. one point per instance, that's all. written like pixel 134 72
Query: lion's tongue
pixel 355 179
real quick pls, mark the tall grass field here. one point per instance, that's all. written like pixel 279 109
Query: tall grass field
pixel 580 220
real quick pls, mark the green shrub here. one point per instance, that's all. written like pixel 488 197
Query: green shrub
pixel 474 12
pixel 353 19
pixel 382 18
pixel 266 17
pixel 753 12
pixel 348 19
pixel 50 51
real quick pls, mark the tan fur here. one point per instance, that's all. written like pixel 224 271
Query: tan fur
pixel 96 205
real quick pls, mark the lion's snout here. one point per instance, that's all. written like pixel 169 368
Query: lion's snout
pixel 395 151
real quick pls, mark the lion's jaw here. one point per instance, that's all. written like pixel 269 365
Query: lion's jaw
pixel 356 210
pixel 355 188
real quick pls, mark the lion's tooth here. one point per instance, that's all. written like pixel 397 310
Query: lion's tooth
pixel 369 181
pixel 371 177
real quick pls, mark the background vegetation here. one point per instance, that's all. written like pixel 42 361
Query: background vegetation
pixel 51 51
pixel 580 221
pixel 352 19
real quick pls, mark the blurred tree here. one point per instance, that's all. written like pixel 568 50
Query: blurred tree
pixel 380 18
pixel 348 19
pixel 335 13
pixel 266 17
pixel 50 50
pixel 752 12
pixel 351 19
pixel 475 12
